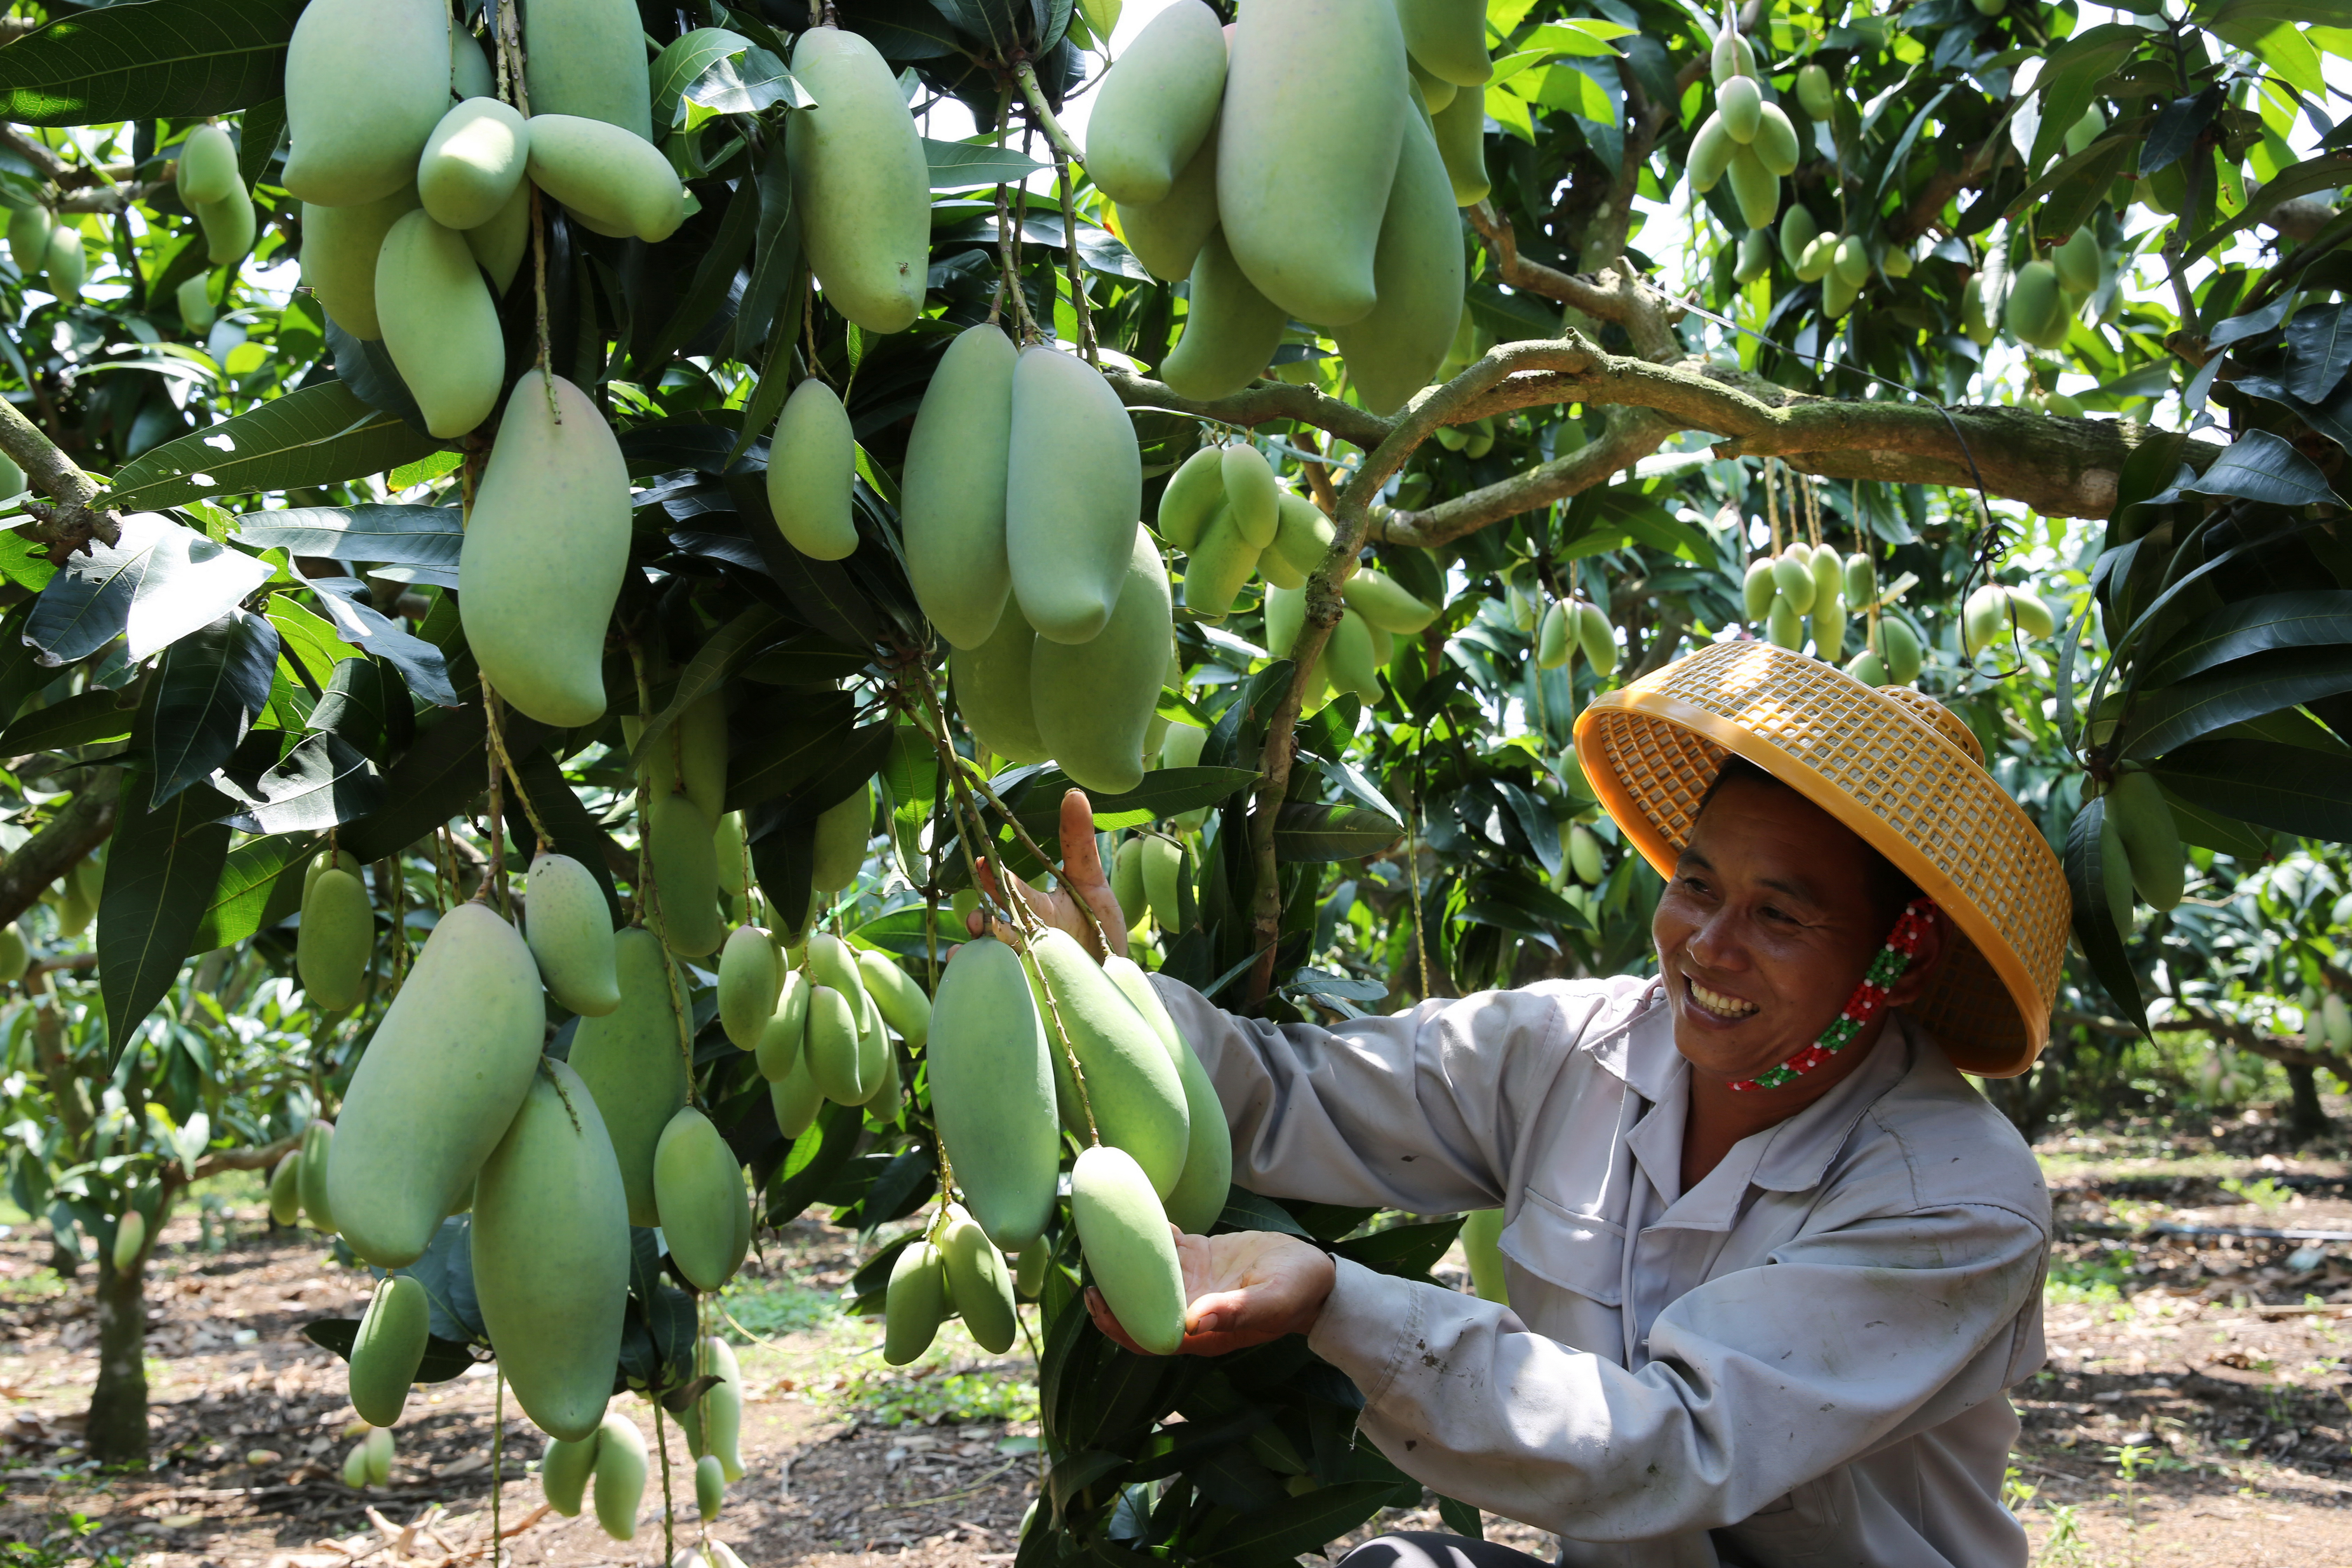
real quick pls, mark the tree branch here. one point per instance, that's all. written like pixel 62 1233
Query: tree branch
pixel 60 844
pixel 72 522
pixel 54 167
pixel 1261 403
pixel 2290 1050
pixel 1610 294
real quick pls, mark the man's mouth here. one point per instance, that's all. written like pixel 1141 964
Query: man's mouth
pixel 1716 1005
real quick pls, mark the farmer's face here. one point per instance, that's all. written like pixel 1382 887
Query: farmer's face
pixel 1764 932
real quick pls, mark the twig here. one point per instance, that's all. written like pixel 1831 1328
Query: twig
pixel 1026 75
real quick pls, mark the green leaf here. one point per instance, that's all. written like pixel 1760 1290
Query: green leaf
pixel 2289 789
pixel 2095 925
pixel 168 60
pixel 324 782
pixel 2309 620
pixel 2261 466
pixel 321 435
pixel 963 165
pixel 443 1359
pixel 2212 830
pixel 160 877
pixel 155 586
pixel 707 670
pixel 260 885
pixel 684 60
pixel 82 719
pixel 2167 718
pixel 1165 793
pixel 1245 1210
pixel 258 133
pixel 442 775
pixel 212 684
pixel 2313 175
pixel 817 1153
pixel 1310 831
pixel 1410 1251
pixel 1300 1523
pixel 376 535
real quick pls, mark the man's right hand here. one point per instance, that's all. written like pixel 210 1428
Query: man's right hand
pixel 1081 889
pixel 1241 1289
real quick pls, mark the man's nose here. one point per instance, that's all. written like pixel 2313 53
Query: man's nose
pixel 1717 942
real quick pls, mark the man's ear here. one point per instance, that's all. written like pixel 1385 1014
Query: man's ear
pixel 1933 945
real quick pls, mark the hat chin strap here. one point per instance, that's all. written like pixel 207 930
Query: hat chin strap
pixel 1868 1001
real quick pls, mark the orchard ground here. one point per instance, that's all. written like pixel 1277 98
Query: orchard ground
pixel 2194 1408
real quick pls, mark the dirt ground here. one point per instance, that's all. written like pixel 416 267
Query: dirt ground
pixel 2193 1410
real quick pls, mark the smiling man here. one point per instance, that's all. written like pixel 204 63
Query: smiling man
pixel 1772 1259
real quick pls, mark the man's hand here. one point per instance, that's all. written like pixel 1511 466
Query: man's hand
pixel 1082 881
pixel 1243 1288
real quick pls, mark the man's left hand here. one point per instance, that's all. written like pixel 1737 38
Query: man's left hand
pixel 1242 1289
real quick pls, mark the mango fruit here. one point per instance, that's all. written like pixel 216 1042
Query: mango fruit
pixel 795 1100
pixel 196 313
pixel 842 832
pixel 1134 1091
pixel 779 1047
pixel 569 929
pixel 1127 881
pixel 878 1063
pixel 1783 626
pixel 632 1059
pixel 1304 535
pixel 614 181
pixel 1385 604
pixel 1200 1193
pixel 588 58
pixel 861 185
pixel 1352 658
pixel 2036 312
pixel 1555 639
pixel 951 491
pixel 685 878
pixel 366 80
pixel 697 748
pixel 750 981
pixel 439 324
pixel 206 169
pixel 470 75
pixel 812 462
pixel 1251 493
pixel 1029 1277
pixel 500 244
pixel 1461 131
pixel 1072 491
pixel 1218 569
pixel 378 1448
pixel 1435 91
pixel 551 1238
pixel 916 1301
pixel 1479 1233
pixel 564 1471
pixel 1167 235
pixel 1740 103
pixel 355 1468
pixel 388 1348
pixel 843 1072
pixel 1899 647
pixel 1093 702
pixel 1163 872
pixel 722 1409
pixel 1316 105
pixel 1814 91
pixel 1448 38
pixel 473 163
pixel 438 1084
pixel 317 1144
pixel 1797 232
pixel 2143 819
pixel 1230 330
pixel 1156 105
pixel 992 1092
pixel 1755 188
pixel 1418 269
pixel 1129 1249
pixel 992 692
pixel 900 1001
pixel 978 1283
pixel 620 1475
pixel 286 1188
pixel 1191 497
pixel 2116 872
pixel 1775 143
pixel 333 943
pixel 709 1488
pixel 2078 262
pixel 698 1188
pixel 130 1240
pixel 29 238
pixel 228 226
pixel 545 548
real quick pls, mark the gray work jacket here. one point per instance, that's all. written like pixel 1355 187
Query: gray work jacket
pixel 1800 1359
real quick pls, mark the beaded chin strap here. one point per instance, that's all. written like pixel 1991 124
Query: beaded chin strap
pixel 1869 998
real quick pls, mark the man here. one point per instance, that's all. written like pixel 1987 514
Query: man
pixel 1772 1260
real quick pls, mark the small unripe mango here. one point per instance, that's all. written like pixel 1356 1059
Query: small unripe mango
pixel 916 1301
pixel 366 80
pixel 812 462
pixel 439 323
pixel 1129 1249
pixel 388 1348
pixel 333 943
pixel 620 1475
pixel 615 182
pixel 473 163
pixel 698 1188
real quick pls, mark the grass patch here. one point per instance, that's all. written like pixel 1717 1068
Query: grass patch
pixel 929 1395
pixel 42 1284
pixel 2089 1280
pixel 770 1309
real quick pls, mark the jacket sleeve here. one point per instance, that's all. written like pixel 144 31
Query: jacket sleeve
pixel 1418 1110
pixel 1761 1380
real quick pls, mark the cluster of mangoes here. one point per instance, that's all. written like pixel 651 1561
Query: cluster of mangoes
pixel 1290 167
pixel 1840 263
pixel 2328 1017
pixel 1748 138
pixel 1573 625
pixel 1224 509
pixel 1375 610
pixel 44 246
pixel 2045 295
pixel 1991 615
pixel 2139 846
pixel 368 1464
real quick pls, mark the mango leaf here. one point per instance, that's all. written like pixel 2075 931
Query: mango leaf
pixel 2314 618
pixel 372 631
pixel 82 719
pixel 260 885
pixel 2261 466
pixel 155 584
pixel 257 134
pixel 2289 789
pixel 160 876
pixel 2212 830
pixel 321 435
pixel 437 778
pixel 443 1359
pixel 814 1156
pixel 2318 350
pixel 378 535
pixel 707 670
pixel 961 165
pixel 1299 1524
pixel 173 59
pixel 682 62
pixel 2264 683
pixel 212 684
pixel 2095 926
pixel 1410 1251
pixel 1165 793
pixel 447 1272
pixel 1309 831
pixel 324 782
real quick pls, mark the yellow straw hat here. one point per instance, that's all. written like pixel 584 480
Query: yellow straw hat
pixel 1896 767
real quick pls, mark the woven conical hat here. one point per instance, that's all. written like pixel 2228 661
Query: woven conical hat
pixel 1897 768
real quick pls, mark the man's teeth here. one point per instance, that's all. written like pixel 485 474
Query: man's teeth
pixel 1719 1005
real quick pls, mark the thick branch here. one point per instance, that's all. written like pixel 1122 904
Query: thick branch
pixel 1630 435
pixel 60 844
pixel 109 198
pixel 73 521
pixel 1261 403
pixel 2291 1050
pixel 1613 293
pixel 67 176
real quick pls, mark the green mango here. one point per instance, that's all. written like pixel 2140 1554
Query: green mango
pixel 473 163
pixel 1193 497
pixel 1861 580
pixel 952 500
pixel 992 692
pixel 1711 148
pixel 1383 602
pixel 1797 232
pixel 333 943
pixel 1156 105
pixel 340 246
pixel 366 80
pixel 1094 702
pixel 992 1092
pixel 2033 616
pixel 877 1063
pixel 439 324
pixel 1285 615
pixel 721 1410
pixel 795 1099
pixel 615 182
pixel 2151 838
pixel 1395 349
pixel 1230 330
pixel 1200 1195
pixel 1134 1091
pixel 1731 56
pixel 551 1253
pixel 727 850
pixel 1813 90
pixel 1783 626
pixel 196 314
pixel 355 1468
pixel 751 983
pixel 2036 311
pixel 1792 573
pixel 1827 624
pixel 632 1059
pixel 206 169
pixel 978 1283
pixel 1555 639
pixel 2115 872
pixel 900 1001
pixel 1072 491
pixel 1162 865
pixel 286 1188
pixel 499 244
pixel 1584 856
pixel 1867 667
pixel 1215 573
pixel 709 1488
pixel 1480 1233
pixel 915 1302
pixel 1127 881
pixel 318 1145
pixel 1774 144
pixel 1316 104
pixel 545 548
pixel 1447 39
pixel 861 185
pixel 842 833
pixel 812 463
pixel 1460 128
pixel 779 1049
pixel 2078 261
pixel 1303 536
pixel 1973 320
pixel 228 225
pixel 835 1059
pixel 1129 1250
pixel 1755 256
pixel 1984 620
pixel 1354 666
pixel 1851 260
pixel 1755 187
pixel 1740 103
pixel 1757 589
pixel 130 1240
pixel 1029 1277
pixel 1435 91
pixel 1899 647
pixel 438 1084
pixel 388 1349
pixel 699 742
pixel 588 58
pixel 29 238
pixel 620 1475
pixel 685 878
pixel 569 929
pixel 470 75
pixel 1166 236
pixel 563 1472
pixel 698 1189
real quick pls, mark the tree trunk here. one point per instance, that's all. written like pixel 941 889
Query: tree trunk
pixel 2307 1118
pixel 118 1404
